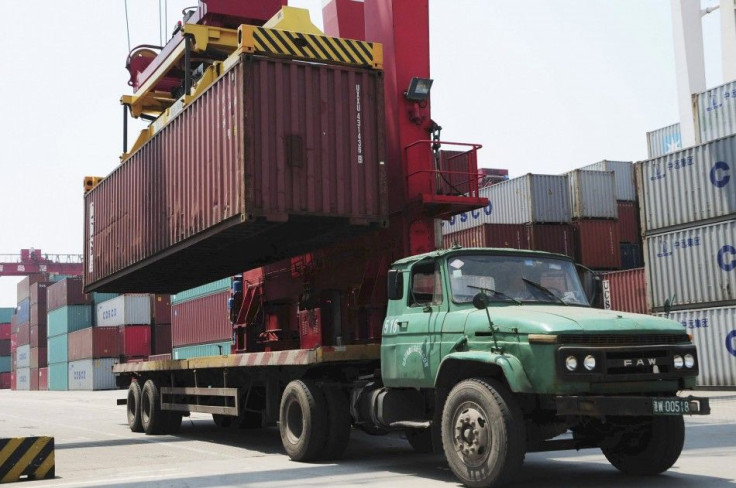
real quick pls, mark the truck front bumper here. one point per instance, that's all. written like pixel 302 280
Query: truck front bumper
pixel 594 406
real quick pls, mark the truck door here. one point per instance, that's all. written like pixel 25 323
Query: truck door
pixel 415 345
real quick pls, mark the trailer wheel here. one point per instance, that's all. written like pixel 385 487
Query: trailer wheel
pixel 303 420
pixel 483 433
pixel 222 421
pixel 420 439
pixel 648 447
pixel 134 407
pixel 152 418
pixel 339 423
pixel 173 422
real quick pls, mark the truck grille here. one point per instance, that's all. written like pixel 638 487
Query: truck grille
pixel 623 339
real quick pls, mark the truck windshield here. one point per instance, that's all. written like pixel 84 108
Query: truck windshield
pixel 515 279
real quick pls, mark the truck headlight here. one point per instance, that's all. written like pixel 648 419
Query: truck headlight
pixel 678 362
pixel 571 363
pixel 689 361
pixel 589 362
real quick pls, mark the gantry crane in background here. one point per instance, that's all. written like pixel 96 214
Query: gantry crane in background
pixel 33 261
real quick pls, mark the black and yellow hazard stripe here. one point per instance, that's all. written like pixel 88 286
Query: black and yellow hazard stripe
pixel 31 457
pixel 315 47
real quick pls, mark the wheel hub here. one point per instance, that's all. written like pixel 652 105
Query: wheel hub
pixel 472 434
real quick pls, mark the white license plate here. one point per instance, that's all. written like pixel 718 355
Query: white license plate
pixel 669 406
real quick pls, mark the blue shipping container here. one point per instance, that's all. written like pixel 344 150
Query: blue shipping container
pixel 24 311
pixel 4 364
pixel 631 256
pixel 59 377
pixel 6 314
pixel 69 319
pixel 201 350
pixel 58 349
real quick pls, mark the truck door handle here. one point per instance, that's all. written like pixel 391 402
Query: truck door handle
pixel 403 324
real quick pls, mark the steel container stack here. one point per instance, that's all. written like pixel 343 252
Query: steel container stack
pixel 715 112
pixel 6 366
pixel 664 141
pixel 129 317
pixel 688 216
pixel 200 321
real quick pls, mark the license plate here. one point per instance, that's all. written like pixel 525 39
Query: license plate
pixel 669 406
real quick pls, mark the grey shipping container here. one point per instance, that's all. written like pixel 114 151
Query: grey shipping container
pixel 623 174
pixel 289 157
pixel 714 332
pixel 715 112
pixel 698 183
pixel 23 379
pixel 664 141
pixel 23 357
pixel 92 374
pixel 131 309
pixel 528 199
pixel 593 194
pixel 696 265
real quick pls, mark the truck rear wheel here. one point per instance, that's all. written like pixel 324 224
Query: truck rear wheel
pixel 303 420
pixel 339 423
pixel 483 433
pixel 222 421
pixel 648 447
pixel 134 407
pixel 152 418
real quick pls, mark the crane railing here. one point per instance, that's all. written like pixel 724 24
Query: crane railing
pixel 454 172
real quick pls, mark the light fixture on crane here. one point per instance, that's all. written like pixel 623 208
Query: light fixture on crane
pixel 418 89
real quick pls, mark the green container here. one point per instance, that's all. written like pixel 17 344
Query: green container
pixel 201 350
pixel 5 315
pixel 58 348
pixel 202 291
pixel 4 364
pixel 102 297
pixel 59 376
pixel 69 319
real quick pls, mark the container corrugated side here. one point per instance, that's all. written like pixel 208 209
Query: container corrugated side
pixel 5 314
pixel 92 374
pixel 489 235
pixel 664 141
pixel 23 357
pixel 58 376
pixel 593 194
pixel 290 157
pixel 623 175
pixel 124 310
pixel 625 291
pixel 4 347
pixel 23 334
pixel 5 330
pixel 201 320
pixel 597 244
pixel 68 319
pixel 23 312
pixel 5 364
pixel 201 350
pixel 43 379
pixel 58 349
pixel 5 381
pixel 688 186
pixel 23 379
pixel 135 341
pixel 69 291
pixel 203 290
pixel 716 112
pixel 714 334
pixel 696 265
pixel 628 222
pixel 94 342
pixel 557 238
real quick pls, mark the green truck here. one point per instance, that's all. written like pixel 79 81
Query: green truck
pixel 486 354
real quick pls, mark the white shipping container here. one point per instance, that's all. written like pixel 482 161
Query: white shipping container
pixel 527 199
pixel 716 112
pixel 664 141
pixel 23 379
pixel 593 194
pixel 92 374
pixel 124 310
pixel 623 175
pixel 698 183
pixel 696 265
pixel 714 333
pixel 23 357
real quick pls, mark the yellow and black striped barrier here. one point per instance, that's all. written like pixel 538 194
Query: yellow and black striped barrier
pixel 26 458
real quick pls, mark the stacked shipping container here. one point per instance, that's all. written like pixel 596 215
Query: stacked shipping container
pixel 6 315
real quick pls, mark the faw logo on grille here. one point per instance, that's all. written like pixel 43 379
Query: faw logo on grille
pixel 640 362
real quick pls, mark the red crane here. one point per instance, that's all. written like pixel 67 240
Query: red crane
pixel 33 261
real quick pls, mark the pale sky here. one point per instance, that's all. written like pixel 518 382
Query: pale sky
pixel 545 86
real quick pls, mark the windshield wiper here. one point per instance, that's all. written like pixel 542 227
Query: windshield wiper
pixel 494 293
pixel 545 290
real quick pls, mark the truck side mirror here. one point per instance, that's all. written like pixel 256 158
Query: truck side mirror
pixel 395 284
pixel 481 300
pixel 591 282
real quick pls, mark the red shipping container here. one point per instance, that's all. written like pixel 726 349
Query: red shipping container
pixel 38 314
pixel 5 382
pixel 94 343
pixel 39 358
pixel 38 335
pixel 160 357
pixel 628 223
pixel 66 292
pixel 23 334
pixel 162 339
pixel 5 331
pixel 282 168
pixel 557 238
pixel 490 235
pixel 4 347
pixel 597 244
pixel 13 383
pixel 201 320
pixel 161 309
pixel 135 341
pixel 37 292
pixel 43 379
pixel 24 285
pixel 34 379
pixel 625 291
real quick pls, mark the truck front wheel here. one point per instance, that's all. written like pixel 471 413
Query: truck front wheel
pixel 303 420
pixel 483 433
pixel 647 446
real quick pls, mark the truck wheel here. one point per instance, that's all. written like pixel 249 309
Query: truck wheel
pixel 222 421
pixel 483 433
pixel 134 407
pixel 649 448
pixel 173 422
pixel 303 420
pixel 420 439
pixel 152 418
pixel 339 423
